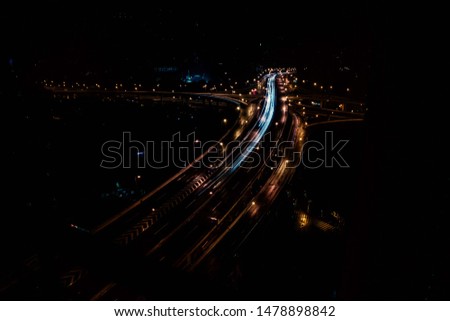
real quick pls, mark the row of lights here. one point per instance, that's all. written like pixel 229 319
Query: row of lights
pixel 120 86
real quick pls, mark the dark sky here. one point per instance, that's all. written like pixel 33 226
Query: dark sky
pixel 73 36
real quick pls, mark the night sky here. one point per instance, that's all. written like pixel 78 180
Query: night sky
pixel 57 40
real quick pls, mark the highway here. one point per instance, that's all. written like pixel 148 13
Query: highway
pixel 217 205
pixel 181 189
pixel 232 202
pixel 157 204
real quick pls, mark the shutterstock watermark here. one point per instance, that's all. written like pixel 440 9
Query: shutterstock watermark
pixel 185 150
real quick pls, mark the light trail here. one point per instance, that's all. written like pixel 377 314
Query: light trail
pixel 254 136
